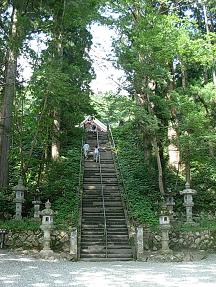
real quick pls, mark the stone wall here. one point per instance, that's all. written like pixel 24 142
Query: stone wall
pixel 60 240
pixel 197 240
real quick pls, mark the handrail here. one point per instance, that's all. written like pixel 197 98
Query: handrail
pixel 102 193
pixel 80 194
pixel 124 194
pixel 127 208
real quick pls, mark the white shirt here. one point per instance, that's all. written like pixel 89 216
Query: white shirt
pixel 96 150
pixel 86 146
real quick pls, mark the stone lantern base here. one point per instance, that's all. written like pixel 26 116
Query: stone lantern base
pixel 46 253
pixel 166 252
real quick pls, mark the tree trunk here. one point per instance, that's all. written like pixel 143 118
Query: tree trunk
pixel 7 105
pixel 184 75
pixel 173 150
pixel 160 170
pixel 207 32
pixel 187 165
pixel 55 149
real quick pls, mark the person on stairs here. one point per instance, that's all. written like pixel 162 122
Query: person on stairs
pixel 96 153
pixel 94 128
pixel 86 148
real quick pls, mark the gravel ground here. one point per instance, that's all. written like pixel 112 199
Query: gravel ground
pixel 23 271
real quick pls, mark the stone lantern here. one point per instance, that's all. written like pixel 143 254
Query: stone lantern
pixel 170 202
pixel 165 226
pixel 20 192
pixel 188 201
pixel 47 226
pixel 37 204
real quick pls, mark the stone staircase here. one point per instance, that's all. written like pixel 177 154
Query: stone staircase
pixel 104 233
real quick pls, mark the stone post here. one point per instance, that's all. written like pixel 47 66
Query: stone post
pixel 146 237
pixel 140 243
pixel 164 221
pixel 188 201
pixel 20 191
pixel 73 243
pixel 170 202
pixel 47 227
pixel 37 204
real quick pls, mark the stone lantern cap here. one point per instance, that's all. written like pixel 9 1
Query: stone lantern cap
pixel 47 210
pixel 20 186
pixel 170 197
pixel 188 190
pixel 169 192
pixel 164 210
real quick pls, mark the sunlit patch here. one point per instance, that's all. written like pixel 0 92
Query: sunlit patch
pixel 21 259
pixel 8 282
pixel 41 285
pixel 59 282
pixel 9 279
pixel 31 267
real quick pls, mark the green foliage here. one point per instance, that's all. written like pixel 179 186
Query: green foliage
pixel 20 225
pixel 61 185
pixel 203 224
pixel 6 203
pixel 142 195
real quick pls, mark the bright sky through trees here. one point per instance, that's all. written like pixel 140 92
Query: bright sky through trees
pixel 108 78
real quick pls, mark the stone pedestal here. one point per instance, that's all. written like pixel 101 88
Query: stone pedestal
pixel 46 251
pixel 164 221
pixel 140 243
pixel 146 237
pixel 18 214
pixel 73 243
pixel 37 204
pixel 165 238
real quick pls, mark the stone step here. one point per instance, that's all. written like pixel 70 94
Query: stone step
pixel 102 249
pixel 113 191
pixel 98 180
pixel 104 165
pixel 89 244
pixel 92 226
pixel 100 209
pixel 97 174
pixel 110 196
pixel 94 259
pixel 110 232
pixel 88 210
pixel 96 201
pixel 114 257
pixel 107 204
pixel 92 237
pixel 96 218
pixel 122 228
pixel 101 214
pixel 106 191
pixel 95 188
